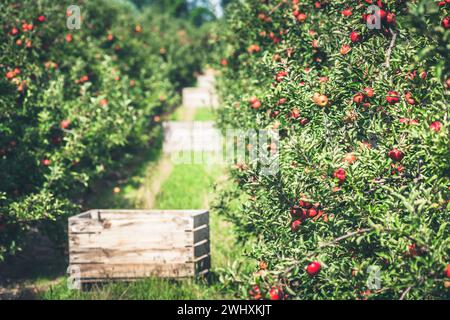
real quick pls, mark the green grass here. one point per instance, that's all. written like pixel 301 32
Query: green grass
pixel 177 115
pixel 150 289
pixel 189 186
pixel 200 114
pixel 205 114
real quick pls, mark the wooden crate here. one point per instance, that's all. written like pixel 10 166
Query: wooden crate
pixel 206 81
pixel 199 98
pixel 134 244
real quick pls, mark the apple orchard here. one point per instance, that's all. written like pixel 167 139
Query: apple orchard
pixel 357 90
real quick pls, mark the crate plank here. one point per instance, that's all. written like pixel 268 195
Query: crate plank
pixel 202 248
pixel 201 219
pixel 133 271
pixel 203 263
pixel 121 214
pixel 199 98
pixel 132 255
pixel 125 238
pixel 201 233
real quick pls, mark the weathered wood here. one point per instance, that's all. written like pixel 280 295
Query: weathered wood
pixel 201 233
pixel 202 248
pixel 203 263
pixel 124 244
pixel 199 98
pixel 134 271
pixel 130 255
pixel 184 137
pixel 206 81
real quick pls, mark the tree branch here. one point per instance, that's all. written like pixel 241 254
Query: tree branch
pixel 348 235
pixel 403 296
pixel 387 62
pixel 276 8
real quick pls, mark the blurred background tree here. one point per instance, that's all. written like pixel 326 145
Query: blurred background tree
pixel 196 11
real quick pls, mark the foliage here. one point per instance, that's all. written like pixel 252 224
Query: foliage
pixel 75 103
pixel 364 152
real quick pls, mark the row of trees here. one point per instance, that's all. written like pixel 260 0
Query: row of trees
pixel 360 206
pixel 196 11
pixel 74 103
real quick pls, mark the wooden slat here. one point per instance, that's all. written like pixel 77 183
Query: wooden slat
pixel 137 240
pixel 121 214
pixel 201 233
pixel 133 256
pixel 84 215
pixel 133 271
pixel 85 226
pixel 202 248
pixel 201 219
pixel 153 225
pixel 203 263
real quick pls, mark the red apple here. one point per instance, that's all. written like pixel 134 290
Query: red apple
pixel 392 97
pixel 409 99
pixel 280 76
pixel 345 49
pixel 390 18
pixel 341 175
pixel 350 158
pixel 355 37
pixel 295 113
pixel 10 75
pixel 281 101
pixel 295 226
pixel 65 124
pixel 369 92
pixel 304 121
pixel 436 126
pixel 347 12
pixel 312 213
pixel 358 98
pixel 313 268
pixel 304 204
pixel 301 17
pixel 275 293
pixel 256 104
pixel 296 211
pixel 14 31
pixel 396 155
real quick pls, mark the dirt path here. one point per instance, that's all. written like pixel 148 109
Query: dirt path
pixel 156 174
